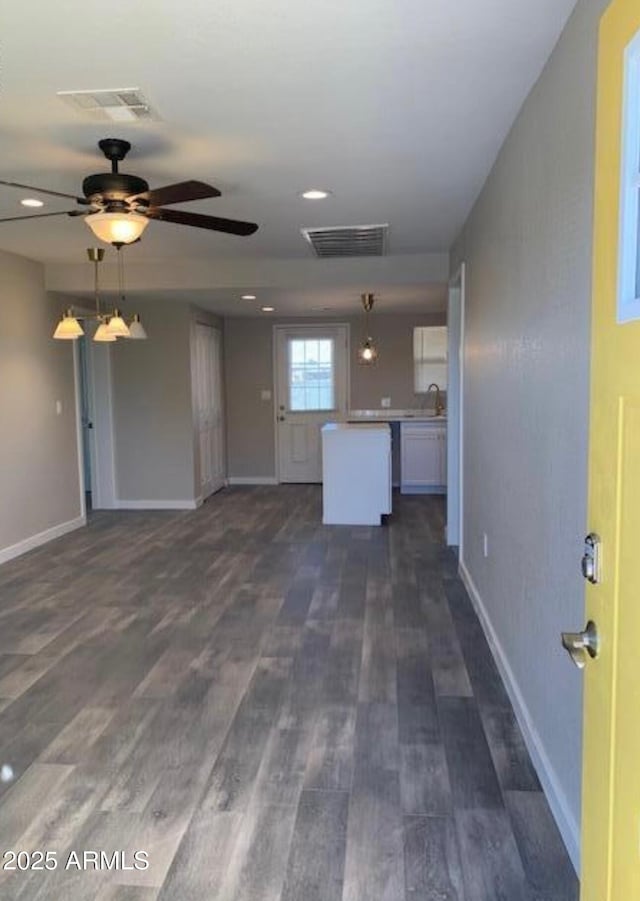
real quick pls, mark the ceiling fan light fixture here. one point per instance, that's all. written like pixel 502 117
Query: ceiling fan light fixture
pixel 136 329
pixel 68 329
pixel 117 228
pixel 102 333
pixel 117 326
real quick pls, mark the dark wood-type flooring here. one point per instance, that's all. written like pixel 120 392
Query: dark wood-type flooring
pixel 273 709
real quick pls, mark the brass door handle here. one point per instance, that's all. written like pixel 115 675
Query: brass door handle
pixel 582 645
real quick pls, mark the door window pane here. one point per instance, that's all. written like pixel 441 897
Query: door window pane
pixel 629 275
pixel 311 374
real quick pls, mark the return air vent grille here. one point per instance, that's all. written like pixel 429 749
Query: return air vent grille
pixel 113 105
pixel 348 241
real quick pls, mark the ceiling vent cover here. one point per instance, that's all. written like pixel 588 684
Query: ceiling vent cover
pixel 113 105
pixel 348 241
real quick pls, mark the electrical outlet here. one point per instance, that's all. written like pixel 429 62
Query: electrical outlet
pixel 485 544
pixel 58 407
pixel 265 394
pixel 385 402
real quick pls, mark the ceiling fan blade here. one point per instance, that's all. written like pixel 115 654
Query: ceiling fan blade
pixel 45 215
pixel 178 193
pixel 16 184
pixel 214 223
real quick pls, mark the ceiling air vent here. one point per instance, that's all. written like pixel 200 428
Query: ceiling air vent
pixel 114 105
pixel 348 241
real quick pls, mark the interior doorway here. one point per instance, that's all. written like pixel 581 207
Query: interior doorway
pixel 455 409
pixel 311 388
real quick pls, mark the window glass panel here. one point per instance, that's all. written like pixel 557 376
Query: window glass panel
pixel 311 374
pixel 429 357
pixel 629 273
pixel 638 249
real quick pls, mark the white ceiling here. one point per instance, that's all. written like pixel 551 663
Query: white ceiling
pixel 398 106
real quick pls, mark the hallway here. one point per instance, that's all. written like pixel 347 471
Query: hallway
pixel 272 709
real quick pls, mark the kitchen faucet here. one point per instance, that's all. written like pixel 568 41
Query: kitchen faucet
pixel 439 406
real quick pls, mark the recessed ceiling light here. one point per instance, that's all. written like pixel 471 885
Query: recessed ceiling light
pixel 268 309
pixel 31 201
pixel 315 194
pixel 248 297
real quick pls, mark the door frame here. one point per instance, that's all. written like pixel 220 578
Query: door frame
pixel 282 327
pixel 456 305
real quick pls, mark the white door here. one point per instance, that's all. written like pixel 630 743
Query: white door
pixel 208 408
pixel 311 389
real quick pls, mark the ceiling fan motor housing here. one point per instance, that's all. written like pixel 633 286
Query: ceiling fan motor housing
pixel 107 188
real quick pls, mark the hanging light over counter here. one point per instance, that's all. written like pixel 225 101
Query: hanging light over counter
pixel 367 352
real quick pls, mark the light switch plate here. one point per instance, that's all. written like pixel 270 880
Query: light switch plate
pixel 58 407
pixel 265 394
pixel 385 402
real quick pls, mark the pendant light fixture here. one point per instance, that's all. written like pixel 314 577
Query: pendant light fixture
pixel 136 328
pixel 111 326
pixel 68 329
pixel 367 352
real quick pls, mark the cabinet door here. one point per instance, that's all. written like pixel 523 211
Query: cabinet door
pixel 421 457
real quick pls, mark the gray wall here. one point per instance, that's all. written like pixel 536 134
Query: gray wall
pixel 527 245
pixel 39 487
pixel 152 411
pixel 249 369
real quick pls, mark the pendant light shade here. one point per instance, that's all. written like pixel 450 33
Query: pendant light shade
pixel 136 329
pixel 103 333
pixel 117 228
pixel 117 326
pixel 68 329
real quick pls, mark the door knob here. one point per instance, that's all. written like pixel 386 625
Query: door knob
pixel 582 645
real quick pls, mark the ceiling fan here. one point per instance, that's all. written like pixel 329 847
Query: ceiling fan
pixel 117 207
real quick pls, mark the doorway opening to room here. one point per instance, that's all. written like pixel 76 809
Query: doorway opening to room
pixel 311 388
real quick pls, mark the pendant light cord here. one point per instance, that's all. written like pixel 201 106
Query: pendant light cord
pixel 95 288
pixel 120 274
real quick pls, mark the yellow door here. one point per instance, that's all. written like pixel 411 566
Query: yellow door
pixel 611 781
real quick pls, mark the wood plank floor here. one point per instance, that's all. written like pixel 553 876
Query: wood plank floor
pixel 272 709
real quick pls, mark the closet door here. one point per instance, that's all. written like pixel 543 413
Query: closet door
pixel 208 408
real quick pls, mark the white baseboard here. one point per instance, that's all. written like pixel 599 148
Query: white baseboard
pixel 569 828
pixel 252 480
pixel 28 544
pixel 157 505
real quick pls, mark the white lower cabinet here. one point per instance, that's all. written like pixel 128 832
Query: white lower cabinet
pixel 423 458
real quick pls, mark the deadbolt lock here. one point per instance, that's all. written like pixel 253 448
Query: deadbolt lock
pixel 591 559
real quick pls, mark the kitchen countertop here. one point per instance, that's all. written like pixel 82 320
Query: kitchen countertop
pixel 384 415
